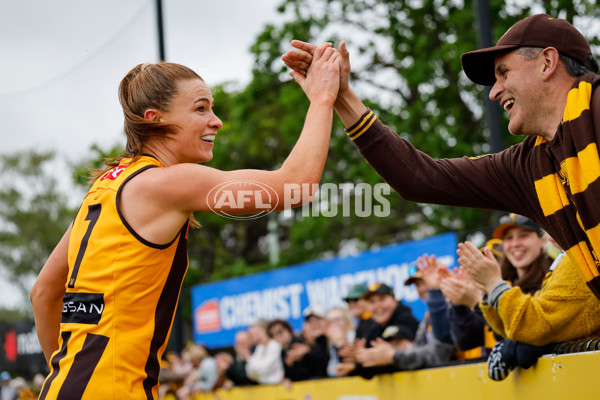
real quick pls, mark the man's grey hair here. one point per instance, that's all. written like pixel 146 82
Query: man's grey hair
pixel 574 67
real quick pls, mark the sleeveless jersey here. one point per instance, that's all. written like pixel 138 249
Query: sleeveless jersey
pixel 120 300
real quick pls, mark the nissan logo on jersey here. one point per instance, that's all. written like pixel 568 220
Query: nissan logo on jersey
pixel 82 308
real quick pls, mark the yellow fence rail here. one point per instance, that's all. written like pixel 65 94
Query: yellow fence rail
pixel 569 376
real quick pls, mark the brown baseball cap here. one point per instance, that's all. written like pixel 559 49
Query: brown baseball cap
pixel 539 30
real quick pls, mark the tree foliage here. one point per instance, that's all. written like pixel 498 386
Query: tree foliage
pixel 34 214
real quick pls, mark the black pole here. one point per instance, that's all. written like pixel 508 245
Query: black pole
pixel 492 109
pixel 493 116
pixel 177 330
pixel 161 38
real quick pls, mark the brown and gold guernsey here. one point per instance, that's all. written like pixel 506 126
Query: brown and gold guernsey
pixel 121 296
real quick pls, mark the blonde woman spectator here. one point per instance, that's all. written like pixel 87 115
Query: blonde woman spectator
pixel 341 332
pixel 203 376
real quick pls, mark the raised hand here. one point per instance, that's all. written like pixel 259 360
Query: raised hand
pixel 482 268
pixel 460 289
pixel 428 265
pixel 348 352
pixel 344 368
pixel 321 82
pixel 300 59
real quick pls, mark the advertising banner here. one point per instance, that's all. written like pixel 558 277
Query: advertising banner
pixel 220 309
pixel 20 350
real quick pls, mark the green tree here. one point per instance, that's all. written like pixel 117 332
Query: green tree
pixel 83 170
pixel 34 214
pixel 13 315
pixel 406 65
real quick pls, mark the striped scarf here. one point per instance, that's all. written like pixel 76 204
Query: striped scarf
pixel 567 183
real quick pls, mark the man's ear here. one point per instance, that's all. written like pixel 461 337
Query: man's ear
pixel 549 58
pixel 151 114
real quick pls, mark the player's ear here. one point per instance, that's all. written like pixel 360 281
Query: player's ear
pixel 151 114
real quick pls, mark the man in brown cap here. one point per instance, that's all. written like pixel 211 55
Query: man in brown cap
pixel 543 74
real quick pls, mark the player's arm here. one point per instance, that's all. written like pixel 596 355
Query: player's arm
pixel 186 187
pixel 157 202
pixel 47 296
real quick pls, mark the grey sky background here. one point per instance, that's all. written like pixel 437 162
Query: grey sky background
pixel 61 62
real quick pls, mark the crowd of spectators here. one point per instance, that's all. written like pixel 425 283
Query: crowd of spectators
pixel 478 311
pixel 18 388
pixel 508 302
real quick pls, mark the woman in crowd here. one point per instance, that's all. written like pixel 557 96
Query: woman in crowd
pixel 523 262
pixel 340 332
pixel 282 332
pixel 203 375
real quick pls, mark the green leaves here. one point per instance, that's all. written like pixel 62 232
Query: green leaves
pixel 34 213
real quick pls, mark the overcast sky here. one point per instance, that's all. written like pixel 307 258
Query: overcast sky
pixel 61 62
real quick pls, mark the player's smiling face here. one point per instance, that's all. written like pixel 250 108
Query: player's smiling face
pixel 192 111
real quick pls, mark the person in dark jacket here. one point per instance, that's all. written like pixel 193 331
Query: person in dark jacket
pixel 306 356
pixel 396 347
pixel 234 368
pixel 281 331
pixel 386 311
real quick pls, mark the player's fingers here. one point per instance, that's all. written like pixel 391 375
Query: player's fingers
pixel 299 70
pixel 320 50
pixel 328 53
